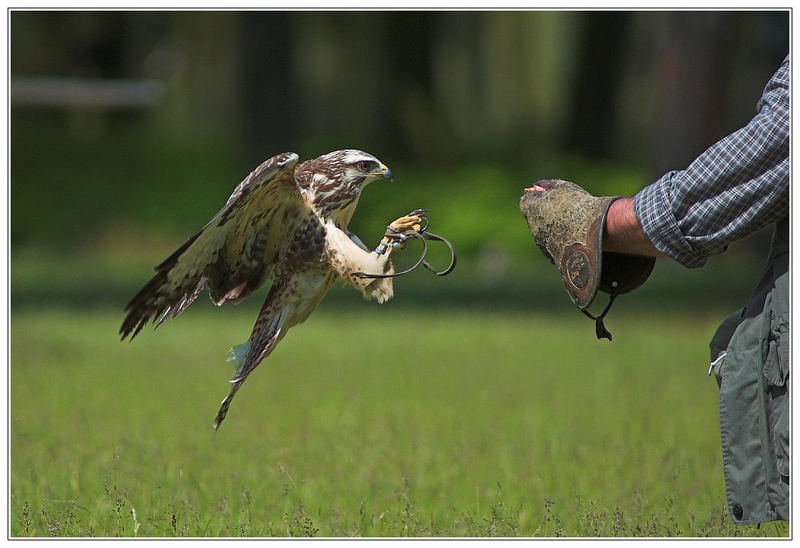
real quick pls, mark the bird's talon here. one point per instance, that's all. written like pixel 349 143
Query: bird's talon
pixel 413 221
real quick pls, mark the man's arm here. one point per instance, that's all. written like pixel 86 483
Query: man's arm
pixel 737 186
pixel 623 233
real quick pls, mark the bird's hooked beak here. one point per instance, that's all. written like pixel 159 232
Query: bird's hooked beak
pixel 384 173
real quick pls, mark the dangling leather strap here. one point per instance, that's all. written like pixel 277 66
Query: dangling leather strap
pixel 424 236
pixel 599 326
pixel 451 266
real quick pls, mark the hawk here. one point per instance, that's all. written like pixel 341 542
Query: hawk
pixel 284 226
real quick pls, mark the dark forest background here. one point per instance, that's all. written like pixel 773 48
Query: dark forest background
pixel 129 129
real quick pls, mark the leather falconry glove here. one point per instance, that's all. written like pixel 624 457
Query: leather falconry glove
pixel 567 224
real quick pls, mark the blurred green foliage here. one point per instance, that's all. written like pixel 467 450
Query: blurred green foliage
pixel 90 217
pixel 68 189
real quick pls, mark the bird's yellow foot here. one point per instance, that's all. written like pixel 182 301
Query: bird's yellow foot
pixel 396 233
pixel 413 221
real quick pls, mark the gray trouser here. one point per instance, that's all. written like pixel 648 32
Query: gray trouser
pixel 750 358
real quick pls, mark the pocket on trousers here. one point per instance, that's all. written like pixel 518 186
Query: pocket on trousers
pixel 776 373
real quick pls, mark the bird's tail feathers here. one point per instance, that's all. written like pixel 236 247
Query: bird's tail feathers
pixel 178 281
pixel 262 341
pixel 248 355
pixel 226 403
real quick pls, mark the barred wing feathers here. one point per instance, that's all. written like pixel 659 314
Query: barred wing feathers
pixel 232 255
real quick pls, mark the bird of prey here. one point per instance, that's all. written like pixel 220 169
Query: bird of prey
pixel 284 226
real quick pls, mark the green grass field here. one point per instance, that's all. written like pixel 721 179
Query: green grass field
pixel 369 421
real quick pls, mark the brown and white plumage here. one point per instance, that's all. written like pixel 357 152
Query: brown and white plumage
pixel 285 225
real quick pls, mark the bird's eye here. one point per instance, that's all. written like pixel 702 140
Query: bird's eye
pixel 364 166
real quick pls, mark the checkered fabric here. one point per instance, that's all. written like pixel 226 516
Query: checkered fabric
pixel 734 188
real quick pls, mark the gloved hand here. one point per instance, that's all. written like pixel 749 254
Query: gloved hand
pixel 567 224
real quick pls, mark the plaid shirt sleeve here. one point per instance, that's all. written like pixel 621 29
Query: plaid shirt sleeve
pixel 734 188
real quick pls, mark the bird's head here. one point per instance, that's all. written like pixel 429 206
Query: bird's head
pixel 334 181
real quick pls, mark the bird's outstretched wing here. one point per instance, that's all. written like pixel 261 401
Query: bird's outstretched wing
pixel 232 254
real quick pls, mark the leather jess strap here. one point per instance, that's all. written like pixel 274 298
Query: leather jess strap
pixel 425 236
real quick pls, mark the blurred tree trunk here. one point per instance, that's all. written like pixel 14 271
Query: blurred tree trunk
pixel 603 40
pixel 408 39
pixel 266 107
pixel 691 73
pixel 198 61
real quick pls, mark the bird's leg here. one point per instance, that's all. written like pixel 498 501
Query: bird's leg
pixel 395 235
pixel 371 272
